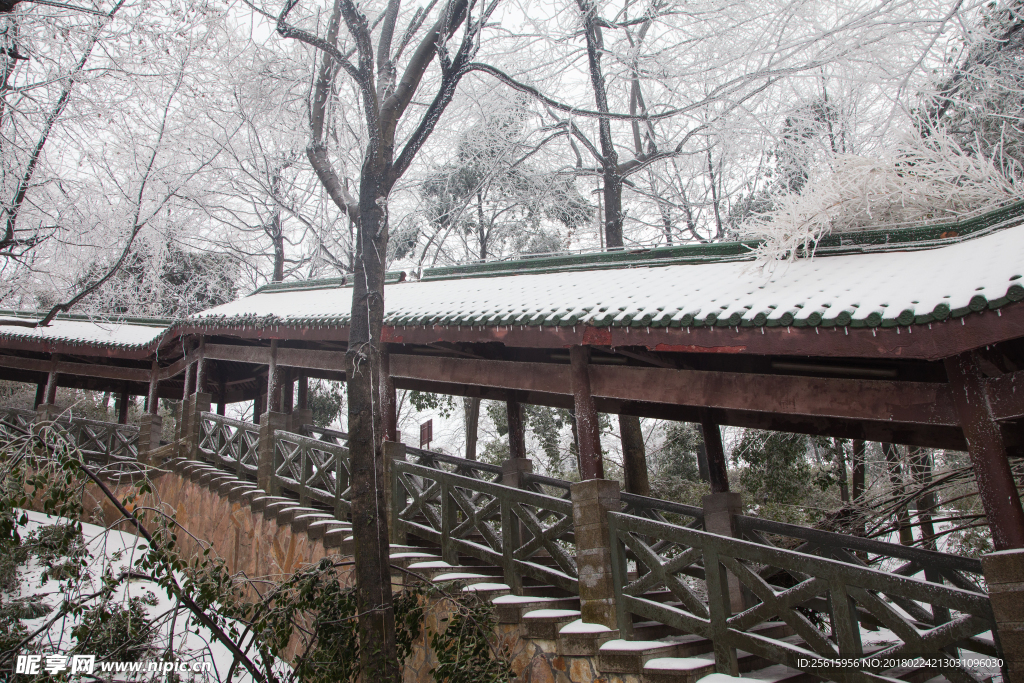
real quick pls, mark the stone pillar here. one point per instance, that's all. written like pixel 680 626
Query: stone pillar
pixel 720 510
pixel 270 422
pixel 150 429
pixel 394 450
pixel 301 417
pixel 1004 574
pixel 47 412
pixel 591 502
pixel 512 471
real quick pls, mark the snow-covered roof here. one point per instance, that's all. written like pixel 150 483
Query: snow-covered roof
pixel 860 283
pixel 79 330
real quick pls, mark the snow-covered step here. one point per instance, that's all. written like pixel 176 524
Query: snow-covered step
pixel 546 623
pixel 301 522
pixel 509 609
pixel 678 669
pixel 630 656
pixel 488 590
pixel 581 639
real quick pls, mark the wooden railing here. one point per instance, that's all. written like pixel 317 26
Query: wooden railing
pixel 313 470
pixel 104 442
pixel 229 443
pixel 829 589
pixel 19 419
pixel 526 533
pixel 824 601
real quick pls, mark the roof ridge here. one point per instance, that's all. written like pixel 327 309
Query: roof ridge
pixel 87 317
pixel 907 238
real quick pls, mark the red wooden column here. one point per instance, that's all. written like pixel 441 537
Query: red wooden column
pixel 153 400
pixel 200 368
pixel 303 392
pixel 51 382
pixel 122 407
pixel 189 374
pixel 287 391
pixel 718 474
pixel 388 397
pixel 591 464
pixel 40 395
pixel 222 394
pixel 273 381
pixel 988 452
pixel 516 429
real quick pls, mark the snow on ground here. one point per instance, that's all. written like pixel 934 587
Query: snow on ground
pixel 118 551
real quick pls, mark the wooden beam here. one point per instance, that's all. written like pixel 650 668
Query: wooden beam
pixel 308 359
pixel 69 368
pixel 853 399
pixel 929 436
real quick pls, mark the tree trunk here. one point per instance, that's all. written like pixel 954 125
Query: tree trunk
pixel 366 430
pixel 892 459
pixel 844 482
pixel 472 408
pixel 609 157
pixel 921 461
pixel 634 456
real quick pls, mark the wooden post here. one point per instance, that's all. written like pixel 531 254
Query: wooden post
pixel 273 381
pixel 591 464
pixel 718 473
pixel 201 368
pixel 222 394
pixel 51 381
pixel 258 407
pixel 40 395
pixel 187 391
pixel 122 407
pixel 388 397
pixel 516 430
pixel 153 400
pixel 996 486
pixel 287 391
pixel 303 391
pixel 859 471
